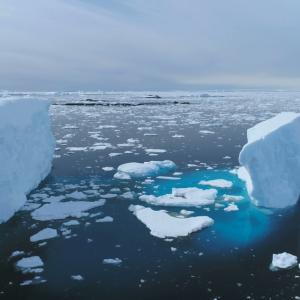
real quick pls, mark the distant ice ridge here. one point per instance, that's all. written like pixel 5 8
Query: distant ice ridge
pixel 26 150
pixel 136 170
pixel 271 161
pixel 163 225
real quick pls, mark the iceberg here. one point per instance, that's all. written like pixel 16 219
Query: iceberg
pixel 183 197
pixel 26 150
pixel 163 225
pixel 271 161
pixel 283 261
pixel 136 170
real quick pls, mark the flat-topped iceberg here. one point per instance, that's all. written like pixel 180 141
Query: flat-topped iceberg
pixel 271 161
pixel 163 225
pixel 26 150
pixel 185 197
pixel 136 170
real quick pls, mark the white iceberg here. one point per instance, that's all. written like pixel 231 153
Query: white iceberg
pixel 163 225
pixel 283 261
pixel 183 197
pixel 271 161
pixel 136 170
pixel 26 150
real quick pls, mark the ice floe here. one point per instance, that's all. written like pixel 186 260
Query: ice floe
pixel 218 183
pixel 283 261
pixel 44 234
pixel 183 197
pixel 163 225
pixel 31 264
pixel 136 170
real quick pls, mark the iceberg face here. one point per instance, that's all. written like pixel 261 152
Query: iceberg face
pixel 271 161
pixel 26 150
pixel 136 170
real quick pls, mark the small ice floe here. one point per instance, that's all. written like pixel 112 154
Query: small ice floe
pixel 71 223
pixel 186 212
pixel 163 225
pixel 177 136
pixel 106 219
pixel 156 151
pixel 128 195
pixel 114 154
pixel 44 234
pixel 136 170
pixel 108 169
pixel 77 277
pixel 232 198
pixel 17 253
pixel 218 183
pixel 231 207
pixel 168 178
pixel 112 261
pixel 76 149
pixel 62 210
pixel 283 261
pixel 206 132
pixel 77 195
pixel 31 264
pixel 183 197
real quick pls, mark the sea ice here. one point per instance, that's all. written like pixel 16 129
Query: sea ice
pixel 62 210
pixel 31 264
pixel 26 150
pixel 163 225
pixel 283 261
pixel 112 261
pixel 135 170
pixel 183 197
pixel 271 161
pixel 44 234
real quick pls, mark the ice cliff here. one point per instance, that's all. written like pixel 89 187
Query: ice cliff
pixel 26 150
pixel 271 161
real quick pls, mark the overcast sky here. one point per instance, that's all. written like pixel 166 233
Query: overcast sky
pixel 149 44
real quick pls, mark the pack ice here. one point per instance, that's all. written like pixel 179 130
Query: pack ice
pixel 26 150
pixel 271 161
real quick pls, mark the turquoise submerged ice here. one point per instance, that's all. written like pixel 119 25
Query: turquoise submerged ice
pixel 236 220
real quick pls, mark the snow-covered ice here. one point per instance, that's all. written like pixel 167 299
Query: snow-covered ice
pixel 163 225
pixel 44 234
pixel 283 261
pixel 271 161
pixel 112 261
pixel 31 264
pixel 26 150
pixel 136 170
pixel 183 197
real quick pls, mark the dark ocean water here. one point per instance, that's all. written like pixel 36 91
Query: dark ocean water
pixel 229 260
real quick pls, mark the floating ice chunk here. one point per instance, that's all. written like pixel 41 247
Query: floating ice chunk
pixel 219 183
pixel 31 264
pixel 135 170
pixel 155 150
pixel 106 219
pixel 162 225
pixel 77 277
pixel 112 261
pixel 232 197
pixel 271 161
pixel 128 195
pixel 76 149
pixel 77 195
pixel 17 253
pixel 26 150
pixel 183 197
pixel 62 210
pixel 44 234
pixel 186 212
pixel 108 169
pixel 71 223
pixel 231 207
pixel 168 178
pixel 283 261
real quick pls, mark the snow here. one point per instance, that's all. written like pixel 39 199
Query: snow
pixel 135 170
pixel 163 225
pixel 219 183
pixel 31 264
pixel 283 261
pixel 44 234
pixel 183 197
pixel 26 150
pixel 271 161
pixel 62 210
